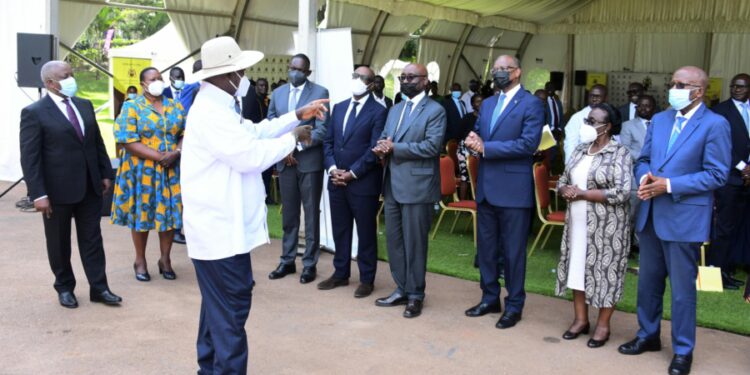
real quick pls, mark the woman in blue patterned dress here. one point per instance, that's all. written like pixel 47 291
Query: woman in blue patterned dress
pixel 147 188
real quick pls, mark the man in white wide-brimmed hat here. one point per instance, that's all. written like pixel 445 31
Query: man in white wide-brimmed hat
pixel 222 190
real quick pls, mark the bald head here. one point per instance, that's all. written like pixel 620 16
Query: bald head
pixel 365 73
pixel 53 72
pixel 510 65
pixel 413 80
pixel 692 75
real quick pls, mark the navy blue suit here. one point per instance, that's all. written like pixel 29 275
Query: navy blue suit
pixel 187 95
pixel 505 189
pixel 672 227
pixel 358 201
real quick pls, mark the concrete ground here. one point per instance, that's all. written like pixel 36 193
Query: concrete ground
pixel 293 328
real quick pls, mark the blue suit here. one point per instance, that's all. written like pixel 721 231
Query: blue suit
pixel 187 94
pixel 350 150
pixel 505 189
pixel 672 227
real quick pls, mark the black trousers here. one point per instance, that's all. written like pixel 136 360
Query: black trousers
pixel 346 209
pixel 87 215
pixel 731 208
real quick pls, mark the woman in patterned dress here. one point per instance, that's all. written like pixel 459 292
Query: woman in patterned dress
pixel 596 239
pixel 147 188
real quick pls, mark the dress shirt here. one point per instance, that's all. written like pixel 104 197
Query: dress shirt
pixel 466 98
pixel 631 112
pixel 741 165
pixel 298 92
pixel 379 100
pixel 554 115
pixel 460 107
pixel 59 101
pixel 573 131
pixel 361 104
pixel 509 97
pixel 415 101
pixel 222 161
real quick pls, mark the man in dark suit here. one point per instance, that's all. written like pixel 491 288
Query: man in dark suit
pixel 454 113
pixel 732 199
pixel 181 91
pixel 67 170
pixel 411 144
pixel 255 109
pixel 555 109
pixel 684 158
pixel 508 133
pixel 355 181
pixel 628 111
pixel 378 85
pixel 301 174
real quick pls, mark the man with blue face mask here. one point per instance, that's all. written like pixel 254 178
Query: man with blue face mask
pixel 181 91
pixel 685 157
pixel 454 112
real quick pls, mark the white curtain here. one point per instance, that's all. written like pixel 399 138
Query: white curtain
pixel 604 52
pixel 730 56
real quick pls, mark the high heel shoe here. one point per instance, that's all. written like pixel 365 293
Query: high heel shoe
pixel 168 275
pixel 141 276
pixel 568 335
pixel 597 343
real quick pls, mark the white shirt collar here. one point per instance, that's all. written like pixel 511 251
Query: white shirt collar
pixel 361 101
pixel 690 114
pixel 57 98
pixel 415 100
pixel 738 103
pixel 511 93
pixel 298 88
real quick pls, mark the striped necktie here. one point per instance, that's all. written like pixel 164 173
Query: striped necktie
pixel 676 129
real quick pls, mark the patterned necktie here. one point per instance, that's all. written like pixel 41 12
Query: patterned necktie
pixel 745 115
pixel 293 99
pixel 73 119
pixel 498 110
pixel 676 129
pixel 352 116
pixel 405 116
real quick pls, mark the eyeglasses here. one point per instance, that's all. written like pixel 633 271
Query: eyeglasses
pixel 363 77
pixel 410 77
pixel 739 87
pixel 504 69
pixel 680 85
pixel 592 122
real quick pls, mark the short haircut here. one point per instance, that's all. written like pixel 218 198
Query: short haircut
pixel 647 97
pixel 197 65
pixel 176 69
pixel 613 115
pixel 132 87
pixel 600 87
pixel 146 70
pixel 46 72
pixel 303 57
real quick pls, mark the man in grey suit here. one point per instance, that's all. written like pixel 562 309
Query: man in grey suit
pixel 410 144
pixel 300 174
pixel 632 136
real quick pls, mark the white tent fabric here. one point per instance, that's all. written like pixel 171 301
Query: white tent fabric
pixel 164 48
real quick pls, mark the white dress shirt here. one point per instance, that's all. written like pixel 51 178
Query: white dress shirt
pixel 297 93
pixel 361 104
pixel 509 97
pixel 741 165
pixel 573 131
pixel 59 101
pixel 415 101
pixel 379 100
pixel 222 161
pixel 631 111
pixel 466 98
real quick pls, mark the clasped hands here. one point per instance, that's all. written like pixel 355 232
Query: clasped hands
pixel 571 193
pixel 474 143
pixel 383 148
pixel 652 186
pixel 746 175
pixel 340 177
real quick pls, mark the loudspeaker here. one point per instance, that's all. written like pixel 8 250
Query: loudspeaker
pixel 33 51
pixel 579 79
pixel 557 79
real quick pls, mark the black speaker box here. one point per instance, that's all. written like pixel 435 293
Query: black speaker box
pixel 580 78
pixel 557 79
pixel 34 50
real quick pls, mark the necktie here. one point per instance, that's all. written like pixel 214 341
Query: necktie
pixel 352 116
pixel 237 107
pixel 73 119
pixel 460 108
pixel 498 110
pixel 745 115
pixel 676 129
pixel 406 115
pixel 293 99
pixel 177 95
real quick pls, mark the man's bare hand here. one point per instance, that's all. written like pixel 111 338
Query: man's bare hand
pixel 652 186
pixel 106 185
pixel 303 134
pixel 43 206
pixel 316 108
pixel 474 142
pixel 383 148
pixel 290 161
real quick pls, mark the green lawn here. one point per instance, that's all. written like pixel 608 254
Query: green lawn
pixel 97 91
pixel 453 255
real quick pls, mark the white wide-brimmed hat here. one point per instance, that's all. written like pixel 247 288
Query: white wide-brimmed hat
pixel 222 55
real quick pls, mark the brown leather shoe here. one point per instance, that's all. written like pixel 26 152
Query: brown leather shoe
pixel 363 290
pixel 331 283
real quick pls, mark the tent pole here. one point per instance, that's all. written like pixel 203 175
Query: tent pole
pixel 86 59
pixel 707 52
pixel 568 86
pixel 474 72
pixel 524 44
pixel 372 40
pixel 457 53
pixel 239 18
pixel 307 19
pixel 181 60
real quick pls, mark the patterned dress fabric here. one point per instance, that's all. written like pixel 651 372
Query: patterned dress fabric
pixel 147 195
pixel 607 225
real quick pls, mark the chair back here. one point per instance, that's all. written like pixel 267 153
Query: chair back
pixel 451 148
pixel 472 164
pixel 541 187
pixel 447 176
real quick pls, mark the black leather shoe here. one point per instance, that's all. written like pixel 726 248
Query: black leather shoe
pixel 597 343
pixel 67 299
pixel 363 290
pixel 308 275
pixel 141 276
pixel 331 283
pixel 638 345
pixel 680 364
pixel 413 308
pixel 106 297
pixel 509 319
pixel 179 237
pixel 169 275
pixel 394 299
pixel 728 283
pixel 282 270
pixel 483 309
pixel 570 335
pixel 727 277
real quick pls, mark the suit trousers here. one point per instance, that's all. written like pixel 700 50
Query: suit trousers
pixel 346 209
pixel 87 215
pixel 731 208
pixel 502 231
pixel 305 188
pixel 678 261
pixel 226 287
pixel 407 227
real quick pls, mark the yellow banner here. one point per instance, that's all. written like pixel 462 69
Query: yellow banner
pixel 127 71
pixel 594 78
pixel 713 92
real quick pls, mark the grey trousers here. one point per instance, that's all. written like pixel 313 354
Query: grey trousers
pixel 305 189
pixel 407 227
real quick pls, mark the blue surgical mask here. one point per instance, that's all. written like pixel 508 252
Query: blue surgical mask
pixel 404 97
pixel 132 96
pixel 68 87
pixel 679 98
pixel 178 84
pixel 456 94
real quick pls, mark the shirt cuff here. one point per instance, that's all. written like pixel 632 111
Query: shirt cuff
pixel 353 175
pixel 741 166
pixel 669 187
pixel 642 178
pixel 331 169
pixel 40 198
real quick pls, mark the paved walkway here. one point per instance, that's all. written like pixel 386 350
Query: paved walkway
pixel 293 328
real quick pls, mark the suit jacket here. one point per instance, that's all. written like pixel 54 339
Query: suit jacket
pixel 187 95
pixel 740 138
pixel 505 171
pixel 414 165
pixel 696 165
pixel 310 159
pixel 632 136
pixel 55 162
pixel 559 109
pixel 624 112
pixel 454 129
pixel 254 108
pixel 352 150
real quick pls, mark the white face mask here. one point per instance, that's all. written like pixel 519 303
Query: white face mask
pixel 243 88
pixel 679 98
pixel 358 87
pixel 588 133
pixel 156 88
